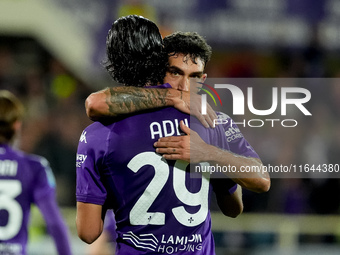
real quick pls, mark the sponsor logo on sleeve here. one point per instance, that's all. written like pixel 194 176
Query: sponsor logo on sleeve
pixel 83 137
pixel 80 159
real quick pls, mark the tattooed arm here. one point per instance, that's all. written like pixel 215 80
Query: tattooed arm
pixel 117 101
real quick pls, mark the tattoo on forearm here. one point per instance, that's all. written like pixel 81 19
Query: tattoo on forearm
pixel 124 100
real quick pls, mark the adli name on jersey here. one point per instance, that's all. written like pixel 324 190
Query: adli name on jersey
pixel 166 128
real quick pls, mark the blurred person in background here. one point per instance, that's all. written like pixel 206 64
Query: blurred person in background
pixel 25 179
pixel 137 7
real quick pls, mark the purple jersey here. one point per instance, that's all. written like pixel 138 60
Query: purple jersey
pixel 25 179
pixel 226 136
pixel 159 208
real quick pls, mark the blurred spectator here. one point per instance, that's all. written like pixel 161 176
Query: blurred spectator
pixel 55 116
pixel 26 179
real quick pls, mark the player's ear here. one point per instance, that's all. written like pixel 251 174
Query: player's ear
pixel 204 77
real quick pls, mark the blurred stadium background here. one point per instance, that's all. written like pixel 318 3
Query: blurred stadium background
pixel 50 54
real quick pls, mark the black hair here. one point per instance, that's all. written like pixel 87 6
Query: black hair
pixel 189 44
pixel 135 55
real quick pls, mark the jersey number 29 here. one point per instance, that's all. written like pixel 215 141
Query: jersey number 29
pixel 139 214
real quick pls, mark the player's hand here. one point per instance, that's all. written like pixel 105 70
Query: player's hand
pixel 189 147
pixel 191 103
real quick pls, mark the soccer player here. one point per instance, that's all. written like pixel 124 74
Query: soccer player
pixel 24 180
pixel 159 207
pixel 188 55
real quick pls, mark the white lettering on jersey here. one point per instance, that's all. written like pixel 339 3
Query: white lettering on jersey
pixel 233 133
pixel 80 159
pixel 194 238
pixel 10 248
pixel 83 137
pixel 168 244
pixel 8 167
pixel 165 128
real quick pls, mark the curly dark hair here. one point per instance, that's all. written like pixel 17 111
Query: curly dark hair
pixel 188 43
pixel 135 55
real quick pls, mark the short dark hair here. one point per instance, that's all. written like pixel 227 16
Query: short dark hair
pixel 188 43
pixel 11 110
pixel 135 55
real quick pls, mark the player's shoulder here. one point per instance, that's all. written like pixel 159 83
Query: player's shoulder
pixel 33 163
pixel 228 124
pixel 222 115
pixel 223 120
pixel 94 138
pixel 95 131
pixel 168 111
pixel 32 159
pixel 98 127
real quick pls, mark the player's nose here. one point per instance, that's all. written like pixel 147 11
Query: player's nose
pixel 184 84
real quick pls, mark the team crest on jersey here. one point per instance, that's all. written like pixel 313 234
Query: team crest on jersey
pixel 83 137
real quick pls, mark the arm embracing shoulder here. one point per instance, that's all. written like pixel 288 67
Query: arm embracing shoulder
pixel 118 101
pixel 256 181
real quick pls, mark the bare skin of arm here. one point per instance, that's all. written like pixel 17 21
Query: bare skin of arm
pixel 193 149
pixel 89 222
pixel 118 101
pixel 231 205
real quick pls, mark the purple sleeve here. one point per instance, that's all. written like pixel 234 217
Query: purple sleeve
pixel 163 86
pixel 44 182
pixel 55 224
pixel 90 153
pixel 237 143
pixel 44 198
pixel 233 189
